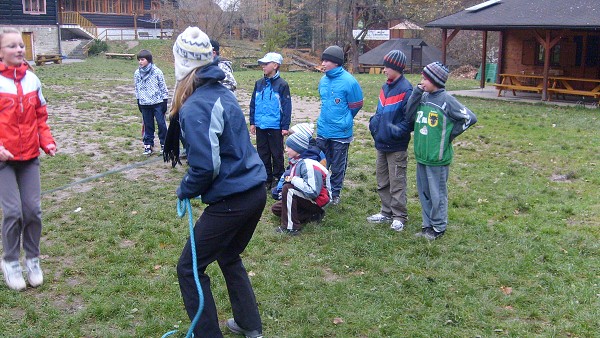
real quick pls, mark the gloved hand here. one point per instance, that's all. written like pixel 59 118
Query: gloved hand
pixel 164 106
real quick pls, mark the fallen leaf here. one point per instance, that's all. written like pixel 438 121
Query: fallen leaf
pixel 134 212
pixel 337 320
pixel 508 307
pixel 77 210
pixel 157 267
pixel 507 290
pixel 251 274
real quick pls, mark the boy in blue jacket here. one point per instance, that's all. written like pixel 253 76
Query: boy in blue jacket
pixel 341 99
pixel 392 157
pixel 270 116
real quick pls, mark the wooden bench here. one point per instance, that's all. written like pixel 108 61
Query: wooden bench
pixel 41 59
pixel 514 88
pixel 574 92
pixel 119 55
pixel 144 35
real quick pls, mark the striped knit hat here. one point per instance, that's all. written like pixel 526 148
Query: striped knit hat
pixel 307 129
pixel 299 140
pixel 437 73
pixel 395 60
pixel 191 50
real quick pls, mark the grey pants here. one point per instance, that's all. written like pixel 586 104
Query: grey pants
pixel 391 184
pixel 432 184
pixel 20 199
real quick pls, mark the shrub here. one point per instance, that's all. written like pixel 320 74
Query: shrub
pixel 97 47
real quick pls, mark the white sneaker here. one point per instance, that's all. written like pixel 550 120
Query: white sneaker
pixel 13 275
pixel 397 225
pixel 35 276
pixel 379 218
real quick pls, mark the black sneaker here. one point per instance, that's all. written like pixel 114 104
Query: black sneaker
pixel 431 234
pixel 317 217
pixel 162 148
pixel 147 150
pixel 235 328
pixel 281 230
pixel 422 232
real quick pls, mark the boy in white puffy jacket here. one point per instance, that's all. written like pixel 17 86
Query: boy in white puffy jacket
pixel 307 190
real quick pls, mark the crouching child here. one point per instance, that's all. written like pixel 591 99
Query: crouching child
pixel 307 188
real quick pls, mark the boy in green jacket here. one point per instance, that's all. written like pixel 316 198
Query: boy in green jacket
pixel 437 118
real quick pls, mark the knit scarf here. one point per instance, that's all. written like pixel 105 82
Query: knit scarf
pixel 146 71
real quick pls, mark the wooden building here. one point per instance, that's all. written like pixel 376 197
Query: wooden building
pixel 37 21
pixel 553 44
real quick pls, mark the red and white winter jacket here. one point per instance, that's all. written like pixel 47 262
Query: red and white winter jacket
pixel 23 114
pixel 313 180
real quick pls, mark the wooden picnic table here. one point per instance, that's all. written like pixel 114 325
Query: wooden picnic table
pixel 564 85
pixel 41 59
pixel 522 82
pixel 557 85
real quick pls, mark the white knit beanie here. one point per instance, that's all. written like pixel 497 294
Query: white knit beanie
pixel 307 129
pixel 191 50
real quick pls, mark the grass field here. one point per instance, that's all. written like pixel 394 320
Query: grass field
pixel 519 259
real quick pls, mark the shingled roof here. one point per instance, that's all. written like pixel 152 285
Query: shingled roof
pixel 430 54
pixel 526 14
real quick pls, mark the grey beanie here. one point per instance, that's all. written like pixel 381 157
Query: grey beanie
pixel 437 73
pixel 334 54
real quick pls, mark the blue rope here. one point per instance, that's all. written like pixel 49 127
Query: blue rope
pixel 182 207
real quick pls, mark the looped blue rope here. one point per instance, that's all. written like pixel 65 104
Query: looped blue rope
pixel 184 206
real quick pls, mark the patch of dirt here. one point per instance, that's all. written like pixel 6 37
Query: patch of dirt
pixel 464 72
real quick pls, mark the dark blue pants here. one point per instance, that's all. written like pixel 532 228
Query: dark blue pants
pixel 337 161
pixel 269 144
pixel 149 113
pixel 222 233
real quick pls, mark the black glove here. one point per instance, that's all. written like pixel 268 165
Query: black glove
pixel 164 106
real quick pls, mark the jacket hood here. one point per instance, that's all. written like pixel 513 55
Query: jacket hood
pixel 313 153
pixel 211 73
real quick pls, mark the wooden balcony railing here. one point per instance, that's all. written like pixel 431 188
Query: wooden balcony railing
pixel 74 18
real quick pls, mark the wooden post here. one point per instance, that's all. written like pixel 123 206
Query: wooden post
pixel 444 43
pixel 546 65
pixel 135 32
pixel 500 53
pixel 483 61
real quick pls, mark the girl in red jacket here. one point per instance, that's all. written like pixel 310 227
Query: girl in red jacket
pixel 23 131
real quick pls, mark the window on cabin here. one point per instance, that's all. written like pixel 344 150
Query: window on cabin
pixel 591 43
pixel 34 6
pixel 540 52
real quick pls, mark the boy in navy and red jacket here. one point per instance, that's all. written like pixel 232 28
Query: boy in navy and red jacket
pixel 392 156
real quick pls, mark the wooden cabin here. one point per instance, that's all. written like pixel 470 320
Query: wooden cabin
pixel 37 22
pixel 547 46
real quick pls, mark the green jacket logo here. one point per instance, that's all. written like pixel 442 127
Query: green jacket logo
pixel 433 119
